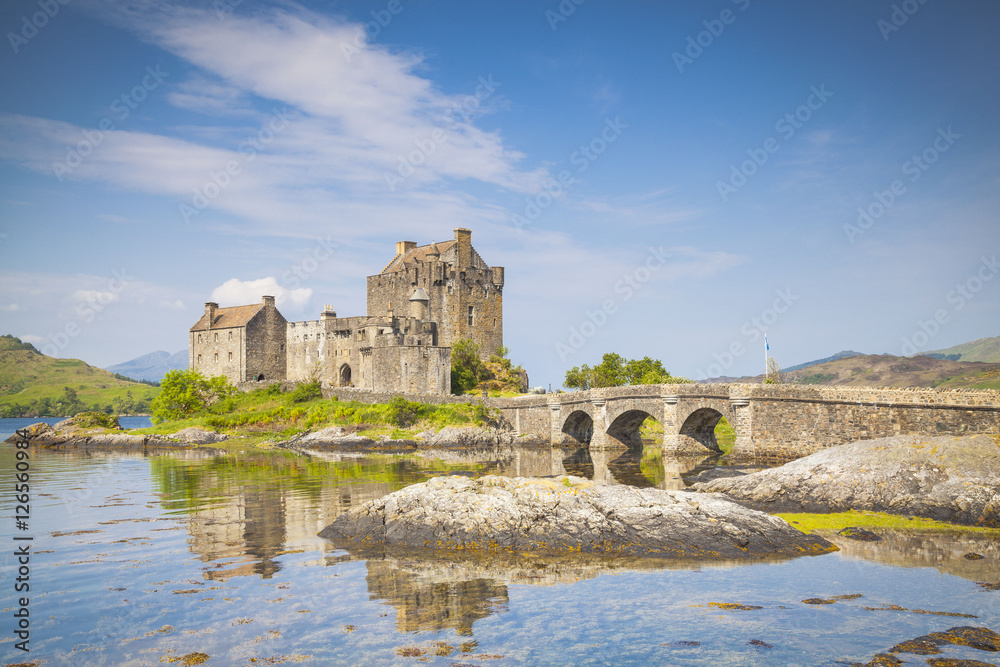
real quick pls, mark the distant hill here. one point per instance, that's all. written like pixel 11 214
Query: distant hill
pixel 34 385
pixel 886 370
pixel 152 366
pixel 839 355
pixel 982 349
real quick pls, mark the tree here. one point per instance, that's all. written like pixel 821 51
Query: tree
pixel 773 374
pixel 186 392
pixel 615 371
pixel 467 369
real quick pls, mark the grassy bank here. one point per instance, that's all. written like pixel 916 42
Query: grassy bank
pixel 810 523
pixel 272 413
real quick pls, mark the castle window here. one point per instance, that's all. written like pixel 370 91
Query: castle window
pixel 494 323
pixel 230 355
pixel 230 335
pixel 282 347
pixel 470 315
pixel 216 357
pixel 199 358
pixel 216 337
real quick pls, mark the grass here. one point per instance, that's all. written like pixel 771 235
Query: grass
pixel 30 380
pixel 809 523
pixel 270 413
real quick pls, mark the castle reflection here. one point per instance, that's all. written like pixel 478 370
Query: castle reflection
pixel 243 512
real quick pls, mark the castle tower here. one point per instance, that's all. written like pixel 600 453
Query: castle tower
pixel 464 295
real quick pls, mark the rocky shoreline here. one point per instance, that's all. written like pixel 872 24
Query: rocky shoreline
pixel 953 479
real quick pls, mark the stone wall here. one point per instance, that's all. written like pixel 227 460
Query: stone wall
pixel 795 421
pixel 770 420
pixel 265 344
pixel 218 352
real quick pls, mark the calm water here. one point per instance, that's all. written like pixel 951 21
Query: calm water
pixel 142 560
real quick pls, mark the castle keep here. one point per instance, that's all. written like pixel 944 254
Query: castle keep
pixel 427 298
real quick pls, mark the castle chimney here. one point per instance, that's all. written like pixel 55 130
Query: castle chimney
pixel 464 238
pixel 268 301
pixel 328 313
pixel 210 309
pixel 403 247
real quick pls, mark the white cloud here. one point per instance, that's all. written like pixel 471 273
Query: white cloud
pixel 353 122
pixel 235 292
pixel 33 339
pixel 10 308
pixel 175 305
pixel 94 297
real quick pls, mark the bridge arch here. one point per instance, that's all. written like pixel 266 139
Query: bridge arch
pixel 625 427
pixel 700 428
pixel 579 426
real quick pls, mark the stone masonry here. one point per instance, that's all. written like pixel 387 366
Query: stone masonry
pixel 782 421
pixel 423 301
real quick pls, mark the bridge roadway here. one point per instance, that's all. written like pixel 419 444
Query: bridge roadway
pixel 785 421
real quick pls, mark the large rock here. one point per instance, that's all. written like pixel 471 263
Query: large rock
pixel 953 479
pixel 547 515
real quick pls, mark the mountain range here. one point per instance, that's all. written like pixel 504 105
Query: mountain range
pixel 152 366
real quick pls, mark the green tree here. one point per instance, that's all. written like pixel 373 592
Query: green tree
pixel 615 371
pixel 467 369
pixel 773 374
pixel 186 392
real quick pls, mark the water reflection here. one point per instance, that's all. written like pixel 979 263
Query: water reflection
pixel 433 590
pixel 944 551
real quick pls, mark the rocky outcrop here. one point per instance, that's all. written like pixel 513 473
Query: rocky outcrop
pixel 67 436
pixel 954 479
pixel 338 438
pixel 198 436
pixel 568 514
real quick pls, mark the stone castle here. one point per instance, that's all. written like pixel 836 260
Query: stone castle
pixel 426 298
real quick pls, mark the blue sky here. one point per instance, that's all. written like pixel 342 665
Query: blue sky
pixel 662 179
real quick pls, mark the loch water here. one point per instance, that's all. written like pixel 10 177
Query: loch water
pixel 168 558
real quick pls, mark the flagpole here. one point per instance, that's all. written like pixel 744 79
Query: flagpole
pixel 766 349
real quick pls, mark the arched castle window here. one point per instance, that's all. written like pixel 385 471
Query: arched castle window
pixel 199 358
pixel 199 338
pixel 230 336
pixel 216 356
pixel 217 340
pixel 230 354
pixel 470 315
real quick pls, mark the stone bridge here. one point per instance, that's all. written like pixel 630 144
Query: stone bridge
pixel 785 421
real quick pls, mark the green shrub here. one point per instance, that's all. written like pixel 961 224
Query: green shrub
pixel 96 420
pixel 402 412
pixel 306 392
